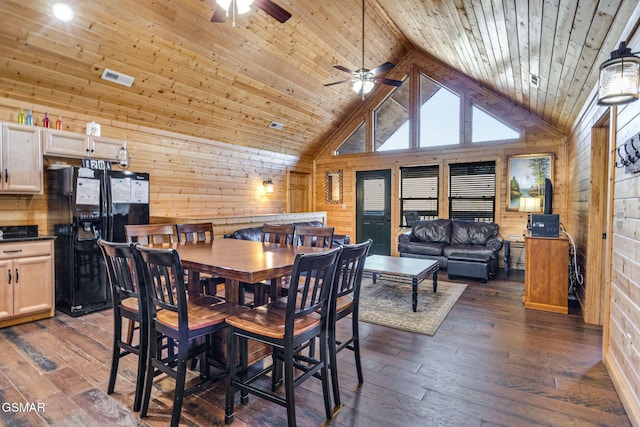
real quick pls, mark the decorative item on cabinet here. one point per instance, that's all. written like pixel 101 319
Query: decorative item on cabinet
pixel 21 117
pixel 29 119
pixel 45 121
pixel 122 156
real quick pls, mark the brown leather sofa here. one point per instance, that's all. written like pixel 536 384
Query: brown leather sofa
pixel 255 233
pixel 438 239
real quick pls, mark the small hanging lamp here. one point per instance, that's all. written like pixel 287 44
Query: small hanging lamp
pixel 619 77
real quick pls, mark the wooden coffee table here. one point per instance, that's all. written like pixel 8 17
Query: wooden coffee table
pixel 400 267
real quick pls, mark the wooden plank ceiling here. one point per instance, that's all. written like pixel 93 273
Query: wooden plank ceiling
pixel 229 83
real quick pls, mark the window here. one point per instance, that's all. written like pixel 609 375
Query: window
pixel 391 131
pixel 356 143
pixel 472 191
pixel 418 194
pixel 439 114
pixel 485 127
pixel 374 198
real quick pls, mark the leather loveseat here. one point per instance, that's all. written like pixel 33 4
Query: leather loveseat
pixel 255 233
pixel 438 239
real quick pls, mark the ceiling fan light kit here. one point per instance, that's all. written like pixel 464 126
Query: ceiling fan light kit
pixel 242 6
pixel 226 8
pixel 619 77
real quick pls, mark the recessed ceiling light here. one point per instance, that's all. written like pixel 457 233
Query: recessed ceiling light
pixel 62 11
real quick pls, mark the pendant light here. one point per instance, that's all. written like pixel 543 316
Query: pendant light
pixel 619 77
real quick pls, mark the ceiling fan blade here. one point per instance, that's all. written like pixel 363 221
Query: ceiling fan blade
pixel 388 81
pixel 345 69
pixel 219 14
pixel 381 68
pixel 337 83
pixel 278 13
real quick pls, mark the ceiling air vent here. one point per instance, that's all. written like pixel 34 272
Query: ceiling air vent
pixel 276 125
pixel 119 78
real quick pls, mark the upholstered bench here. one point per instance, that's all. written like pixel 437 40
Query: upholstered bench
pixel 473 265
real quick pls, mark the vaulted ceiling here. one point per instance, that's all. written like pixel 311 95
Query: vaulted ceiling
pixel 229 83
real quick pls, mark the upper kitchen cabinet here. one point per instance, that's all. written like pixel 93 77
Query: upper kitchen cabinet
pixel 21 162
pixel 62 143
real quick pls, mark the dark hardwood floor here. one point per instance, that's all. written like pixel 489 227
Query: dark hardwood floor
pixel 491 363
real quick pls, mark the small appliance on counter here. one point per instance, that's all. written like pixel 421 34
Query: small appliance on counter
pixel 8 232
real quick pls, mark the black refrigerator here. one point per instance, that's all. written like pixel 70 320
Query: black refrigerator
pixel 86 205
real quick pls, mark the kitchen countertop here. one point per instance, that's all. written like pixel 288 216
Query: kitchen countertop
pixel 26 239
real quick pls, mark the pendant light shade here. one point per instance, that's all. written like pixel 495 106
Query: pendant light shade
pixel 619 77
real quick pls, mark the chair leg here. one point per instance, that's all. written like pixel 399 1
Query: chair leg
pixel 289 386
pixel 115 355
pixel 356 347
pixel 152 354
pixel 334 367
pixel 324 374
pixel 180 381
pixel 142 365
pixel 231 375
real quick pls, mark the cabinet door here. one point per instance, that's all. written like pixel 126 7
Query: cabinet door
pixel 63 143
pixel 105 148
pixel 6 289
pixel 21 159
pixel 33 285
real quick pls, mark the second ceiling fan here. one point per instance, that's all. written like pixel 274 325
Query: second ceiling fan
pixel 363 80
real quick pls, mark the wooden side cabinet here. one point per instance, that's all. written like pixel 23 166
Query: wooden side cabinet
pixel 26 281
pixel 546 279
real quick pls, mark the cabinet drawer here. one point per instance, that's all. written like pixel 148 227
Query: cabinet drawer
pixel 25 249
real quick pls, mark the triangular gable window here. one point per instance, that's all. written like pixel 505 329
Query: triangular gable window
pixel 356 143
pixel 486 127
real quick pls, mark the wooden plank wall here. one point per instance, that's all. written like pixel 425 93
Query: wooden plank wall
pixel 190 176
pixel 539 137
pixel 618 285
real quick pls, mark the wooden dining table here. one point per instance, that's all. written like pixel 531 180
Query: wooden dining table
pixel 238 261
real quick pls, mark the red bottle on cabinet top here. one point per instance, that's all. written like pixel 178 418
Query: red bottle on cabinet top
pixel 45 121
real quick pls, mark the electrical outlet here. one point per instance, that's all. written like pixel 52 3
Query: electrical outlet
pixel 628 343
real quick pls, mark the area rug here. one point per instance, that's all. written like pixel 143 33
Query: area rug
pixel 388 303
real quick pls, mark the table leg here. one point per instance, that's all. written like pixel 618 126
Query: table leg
pixel 435 280
pixel 194 282
pixel 414 293
pixel 231 289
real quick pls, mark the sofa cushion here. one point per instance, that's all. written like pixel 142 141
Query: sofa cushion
pixel 432 231
pixel 422 248
pixel 470 249
pixel 472 233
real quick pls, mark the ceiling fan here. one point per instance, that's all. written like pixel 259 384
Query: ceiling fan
pixel 224 8
pixel 363 80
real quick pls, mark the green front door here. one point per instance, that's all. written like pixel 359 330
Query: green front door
pixel 373 210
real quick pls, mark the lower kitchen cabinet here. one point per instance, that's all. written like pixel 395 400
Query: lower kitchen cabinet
pixel 26 281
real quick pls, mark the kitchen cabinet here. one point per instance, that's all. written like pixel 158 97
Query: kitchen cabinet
pixel 21 161
pixel 26 281
pixel 546 278
pixel 62 143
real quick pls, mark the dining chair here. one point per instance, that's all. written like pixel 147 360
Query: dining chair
pixel 318 237
pixel 185 323
pixel 201 232
pixel 285 324
pixel 281 234
pixel 278 233
pixel 344 301
pixel 128 303
pixel 150 234
pixel 194 232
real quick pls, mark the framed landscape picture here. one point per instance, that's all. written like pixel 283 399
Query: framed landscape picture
pixel 526 175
